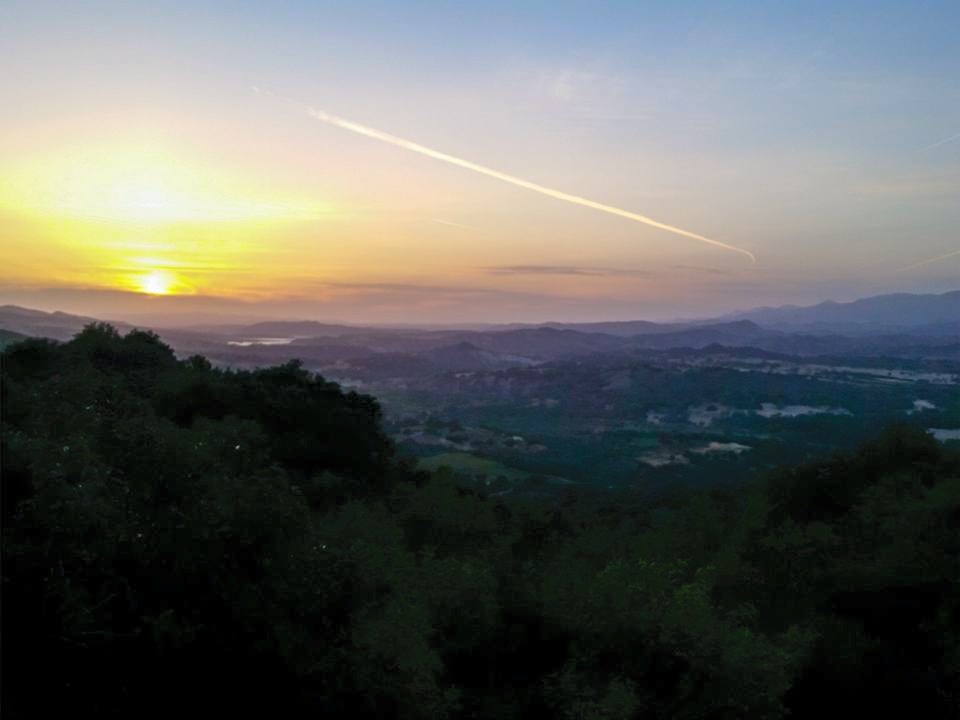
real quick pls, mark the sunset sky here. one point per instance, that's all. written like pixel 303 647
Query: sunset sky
pixel 141 173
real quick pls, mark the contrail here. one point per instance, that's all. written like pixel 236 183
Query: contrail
pixel 519 182
pixel 943 142
pixel 931 260
pixel 440 221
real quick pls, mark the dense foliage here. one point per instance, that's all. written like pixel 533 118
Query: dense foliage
pixel 179 538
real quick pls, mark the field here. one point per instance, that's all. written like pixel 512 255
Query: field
pixel 652 426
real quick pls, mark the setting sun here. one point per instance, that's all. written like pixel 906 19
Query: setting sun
pixel 154 218
pixel 157 282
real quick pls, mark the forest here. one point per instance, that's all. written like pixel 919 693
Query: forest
pixel 180 538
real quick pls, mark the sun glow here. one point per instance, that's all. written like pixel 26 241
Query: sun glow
pixel 150 219
pixel 157 282
pixel 146 184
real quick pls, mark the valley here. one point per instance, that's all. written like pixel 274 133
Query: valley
pixel 540 410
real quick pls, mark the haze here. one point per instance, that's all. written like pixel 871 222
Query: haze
pixel 141 176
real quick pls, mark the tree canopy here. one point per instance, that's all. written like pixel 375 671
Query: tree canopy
pixel 177 536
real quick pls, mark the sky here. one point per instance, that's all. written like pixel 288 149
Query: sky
pixel 178 160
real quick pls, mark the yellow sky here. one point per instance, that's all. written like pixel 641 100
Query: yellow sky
pixel 140 217
pixel 165 217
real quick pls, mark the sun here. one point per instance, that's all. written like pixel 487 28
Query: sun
pixel 157 282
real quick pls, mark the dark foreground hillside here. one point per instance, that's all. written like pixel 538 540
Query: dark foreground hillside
pixel 182 539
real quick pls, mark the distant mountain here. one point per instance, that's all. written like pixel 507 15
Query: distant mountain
pixel 881 313
pixel 467 356
pixel 37 323
pixel 736 333
pixel 63 326
pixel 544 343
pixel 296 329
pixel 533 343
pixel 620 328
pixel 911 325
pixel 948 329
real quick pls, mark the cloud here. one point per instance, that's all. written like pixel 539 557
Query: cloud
pixel 943 142
pixel 943 185
pixel 562 270
pixel 929 261
pixel 693 268
pixel 410 288
pixel 440 221
pixel 581 88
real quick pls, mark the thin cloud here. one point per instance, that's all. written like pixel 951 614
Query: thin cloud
pixel 943 142
pixel 441 221
pixel 561 270
pixel 407 288
pixel 941 185
pixel 929 261
pixel 707 271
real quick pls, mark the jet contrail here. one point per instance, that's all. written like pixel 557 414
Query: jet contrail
pixel 943 142
pixel 931 260
pixel 441 221
pixel 519 182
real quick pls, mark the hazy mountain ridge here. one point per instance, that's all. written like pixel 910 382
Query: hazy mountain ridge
pixel 903 324
pixel 37 323
pixel 876 313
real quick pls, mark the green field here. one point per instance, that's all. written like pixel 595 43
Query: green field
pixel 488 472
pixel 473 466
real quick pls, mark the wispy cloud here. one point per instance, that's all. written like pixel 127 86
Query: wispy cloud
pixel 572 85
pixel 929 261
pixel 943 142
pixel 409 290
pixel 401 287
pixel 940 185
pixel 562 270
pixel 694 268
pixel 440 221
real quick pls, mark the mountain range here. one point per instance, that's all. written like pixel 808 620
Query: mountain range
pixel 895 325
pixel 928 314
